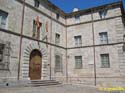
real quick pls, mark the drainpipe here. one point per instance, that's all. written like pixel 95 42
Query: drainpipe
pixel 93 47
pixel 20 48
pixel 66 53
pixel 50 45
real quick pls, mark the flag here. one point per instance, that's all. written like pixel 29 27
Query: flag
pixel 37 23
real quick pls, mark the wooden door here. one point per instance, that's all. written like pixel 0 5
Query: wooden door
pixel 35 65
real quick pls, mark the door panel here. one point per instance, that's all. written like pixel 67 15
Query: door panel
pixel 35 66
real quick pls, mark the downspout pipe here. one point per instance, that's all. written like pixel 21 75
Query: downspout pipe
pixel 93 35
pixel 50 46
pixel 21 32
pixel 66 53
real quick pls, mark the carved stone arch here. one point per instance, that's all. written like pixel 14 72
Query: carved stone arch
pixel 26 59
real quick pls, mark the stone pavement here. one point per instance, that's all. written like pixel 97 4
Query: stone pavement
pixel 53 89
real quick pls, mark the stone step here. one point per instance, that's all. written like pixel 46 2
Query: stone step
pixel 29 83
pixel 36 83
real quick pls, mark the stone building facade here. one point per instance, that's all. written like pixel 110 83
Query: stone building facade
pixel 40 41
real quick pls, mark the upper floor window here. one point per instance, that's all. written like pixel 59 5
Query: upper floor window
pixel 57 39
pixel 102 13
pixel 78 62
pixel 103 37
pixel 3 19
pixel 58 63
pixel 36 28
pixel 77 19
pixel 105 61
pixel 78 40
pixel 57 16
pixel 36 3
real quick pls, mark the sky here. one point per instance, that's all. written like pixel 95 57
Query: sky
pixel 68 5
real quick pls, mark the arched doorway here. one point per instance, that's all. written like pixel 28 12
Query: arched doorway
pixel 35 65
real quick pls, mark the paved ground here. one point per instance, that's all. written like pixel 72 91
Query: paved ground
pixel 53 89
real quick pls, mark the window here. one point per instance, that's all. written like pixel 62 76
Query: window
pixel 77 19
pixel 103 37
pixel 105 61
pixel 78 40
pixel 57 16
pixel 4 55
pixel 58 63
pixel 3 19
pixel 78 62
pixel 1 52
pixel 36 3
pixel 57 39
pixel 102 13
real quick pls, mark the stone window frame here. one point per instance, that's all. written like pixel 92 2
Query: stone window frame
pixel 105 57
pixel 78 40
pixel 36 3
pixel 57 38
pixel 57 16
pixel 4 64
pixel 1 51
pixel 77 18
pixel 78 62
pixel 60 68
pixel 3 19
pixel 102 12
pixel 103 37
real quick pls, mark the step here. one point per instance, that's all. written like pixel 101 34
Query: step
pixel 37 83
pixel 44 81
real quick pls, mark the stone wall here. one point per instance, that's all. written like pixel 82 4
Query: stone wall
pixel 114 26
pixel 112 23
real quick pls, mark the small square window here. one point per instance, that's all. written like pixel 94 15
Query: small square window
pixel 57 39
pixel 4 55
pixel 57 16
pixel 105 61
pixel 102 13
pixel 103 37
pixel 78 62
pixel 77 19
pixel 3 19
pixel 58 63
pixel 36 3
pixel 78 40
pixel 1 52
